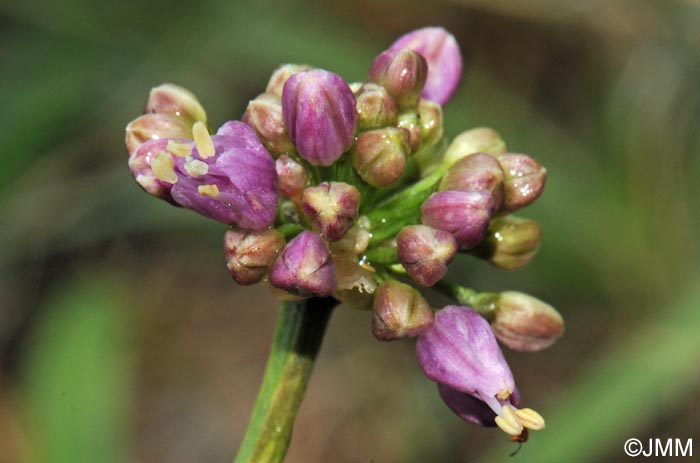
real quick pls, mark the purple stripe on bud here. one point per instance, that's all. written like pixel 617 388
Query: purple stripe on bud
pixel 425 252
pixel 264 115
pixel 249 254
pixel 331 207
pixel 441 51
pixel 399 312
pixel 402 73
pixel 478 171
pixel 320 115
pixel 292 176
pixel 305 267
pixel 465 214
pixel 524 180
pixel 525 323
pixel 176 101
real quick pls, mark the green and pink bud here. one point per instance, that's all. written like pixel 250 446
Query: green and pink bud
pixel 154 126
pixel 176 101
pixel 228 177
pixel 441 52
pixel 379 156
pixel 331 207
pixel 305 267
pixel 525 323
pixel 460 353
pixel 478 171
pixel 430 118
pixel 409 120
pixel 375 108
pixel 292 175
pixel 479 140
pixel 264 115
pixel 402 72
pixel 465 214
pixel 280 76
pixel 524 180
pixel 399 312
pixel 510 242
pixel 320 115
pixel 249 254
pixel 425 253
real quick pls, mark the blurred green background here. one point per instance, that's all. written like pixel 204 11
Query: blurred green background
pixel 122 337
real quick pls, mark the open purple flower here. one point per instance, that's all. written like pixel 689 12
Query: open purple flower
pixel 320 115
pixel 460 353
pixel 229 177
pixel 440 50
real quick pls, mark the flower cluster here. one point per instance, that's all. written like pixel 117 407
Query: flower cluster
pixel 352 191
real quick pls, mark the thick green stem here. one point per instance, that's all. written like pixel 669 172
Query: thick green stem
pixel 298 336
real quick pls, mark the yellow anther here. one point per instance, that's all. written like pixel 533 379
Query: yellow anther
pixel 211 191
pixel 179 149
pixel 514 429
pixel 196 168
pixel 163 167
pixel 202 140
pixel 530 419
pixel 503 395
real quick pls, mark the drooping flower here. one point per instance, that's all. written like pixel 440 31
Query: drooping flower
pixel 441 51
pixel 460 353
pixel 320 115
pixel 228 177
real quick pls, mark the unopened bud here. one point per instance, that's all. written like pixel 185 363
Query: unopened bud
pixel 425 252
pixel 402 73
pixel 249 254
pixel 280 76
pixel 264 115
pixel 524 180
pixel 465 214
pixel 409 120
pixel 479 140
pixel 176 101
pixel 292 176
pixel 305 267
pixel 331 207
pixel 525 323
pixel 478 171
pixel 320 115
pixel 430 119
pixel 356 285
pixel 399 312
pixel 379 156
pixel 155 126
pixel 510 242
pixel 375 108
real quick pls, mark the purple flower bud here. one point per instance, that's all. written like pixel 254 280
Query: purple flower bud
pixel 379 156
pixel 441 51
pixel 305 267
pixel 331 207
pixel 525 323
pixel 510 242
pixel 524 180
pixel 430 117
pixel 478 171
pixel 320 115
pixel 292 176
pixel 176 101
pixel 425 253
pixel 280 76
pixel 479 140
pixel 356 285
pixel 229 177
pixel 402 73
pixel 375 108
pixel 264 115
pixel 460 353
pixel 249 254
pixel 154 126
pixel 465 214
pixel 399 312
pixel 409 121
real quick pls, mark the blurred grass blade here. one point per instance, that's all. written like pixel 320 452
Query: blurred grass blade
pixel 78 377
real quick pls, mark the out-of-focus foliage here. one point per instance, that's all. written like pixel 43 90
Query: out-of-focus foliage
pixel 603 93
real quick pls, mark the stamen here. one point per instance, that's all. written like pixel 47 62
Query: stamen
pixel 211 191
pixel 512 428
pixel 203 140
pixel 179 149
pixel 503 395
pixel 195 167
pixel 163 167
pixel 530 419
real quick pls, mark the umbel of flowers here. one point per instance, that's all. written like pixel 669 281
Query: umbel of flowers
pixel 352 191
